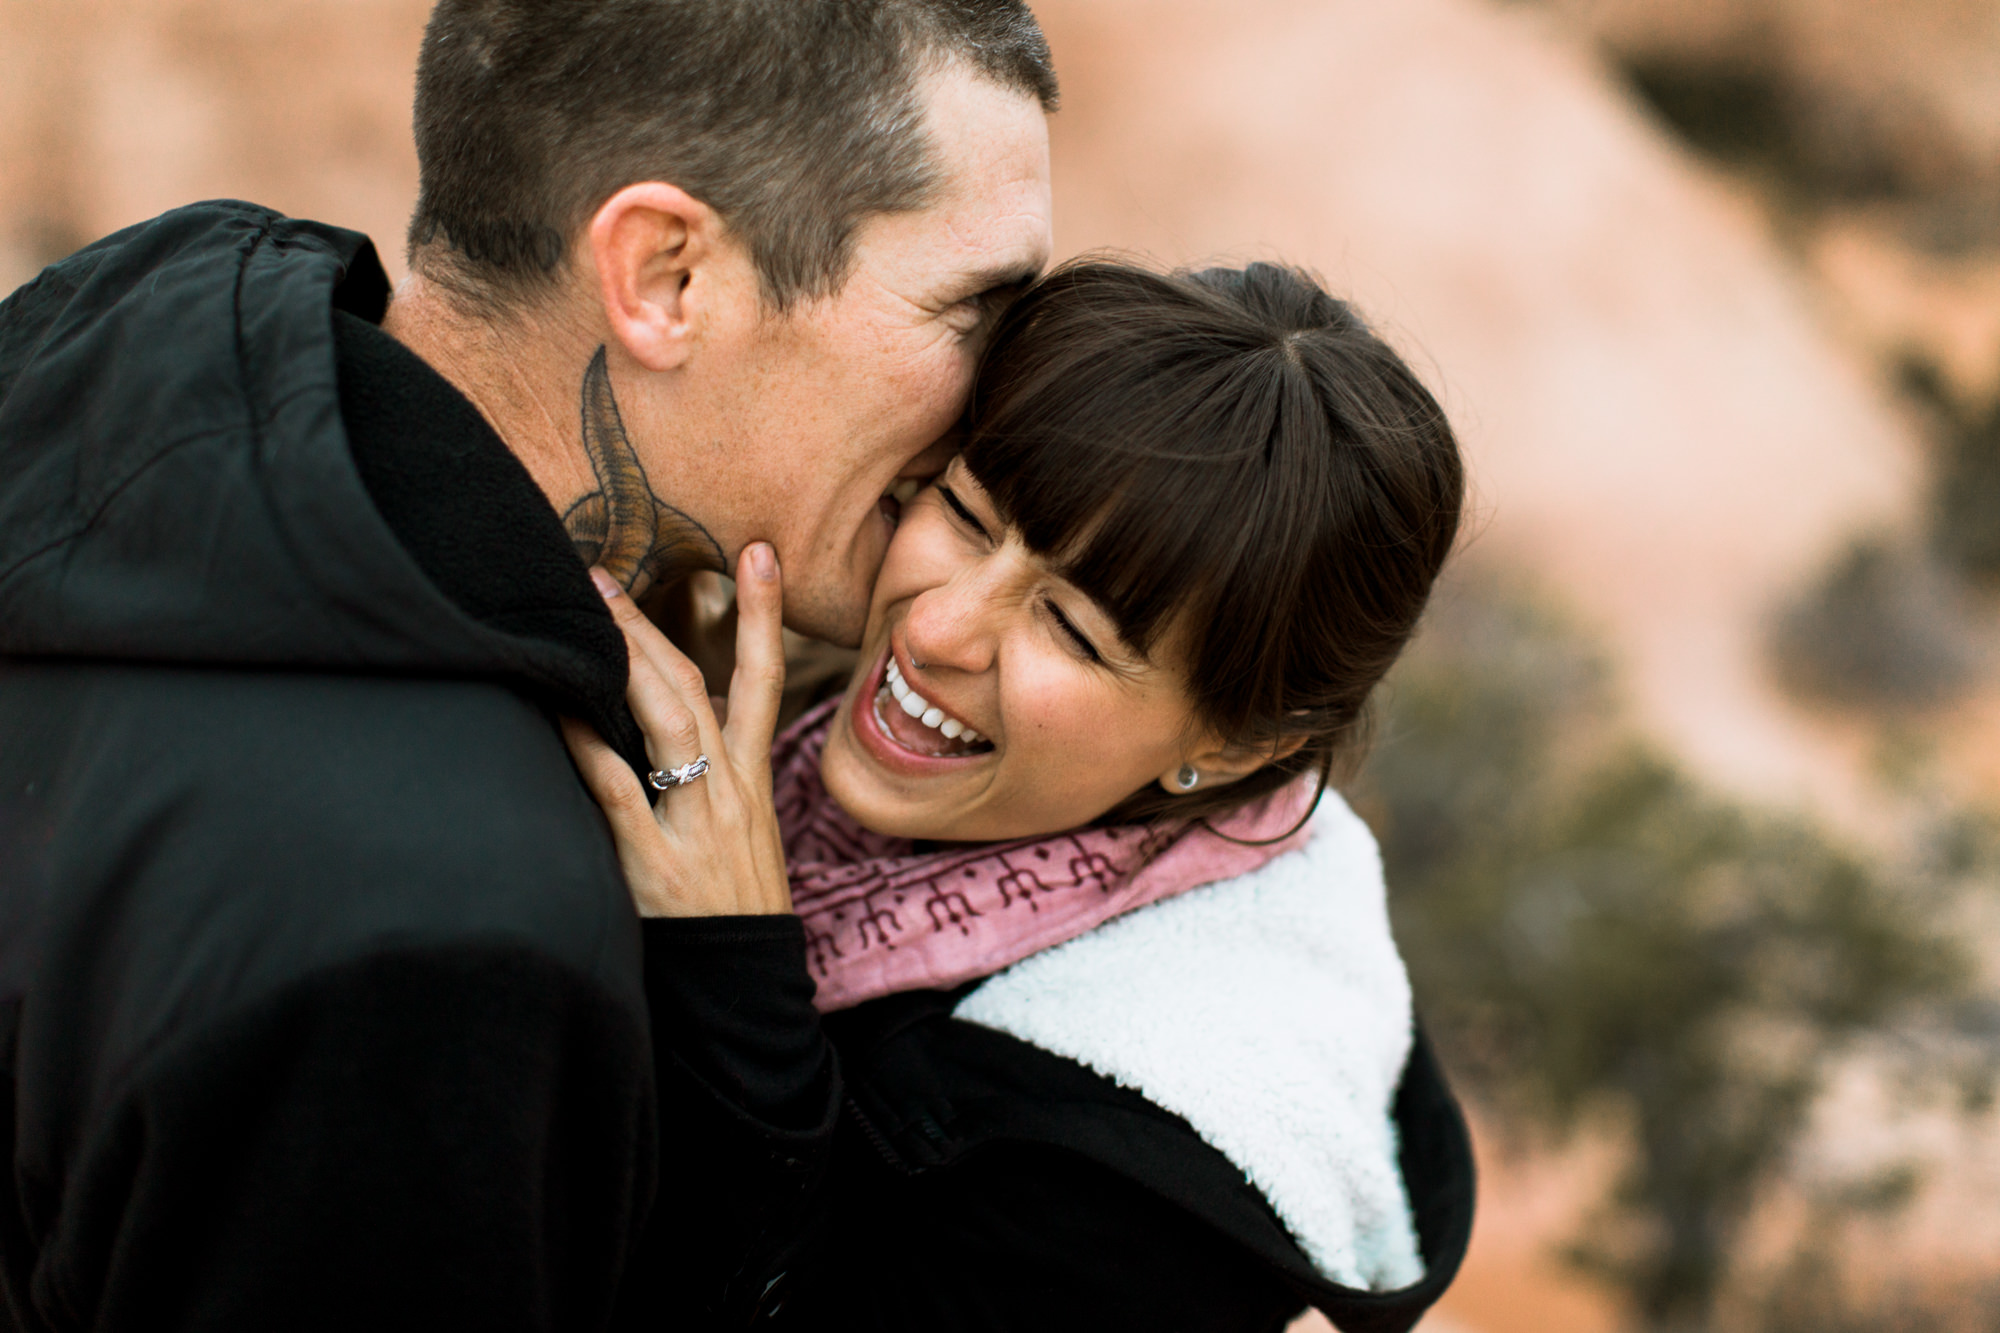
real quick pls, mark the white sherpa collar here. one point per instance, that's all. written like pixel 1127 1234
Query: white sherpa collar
pixel 1272 1013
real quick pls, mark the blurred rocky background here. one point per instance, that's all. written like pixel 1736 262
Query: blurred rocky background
pixel 1687 791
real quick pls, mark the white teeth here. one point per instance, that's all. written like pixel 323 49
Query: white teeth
pixel 906 490
pixel 921 708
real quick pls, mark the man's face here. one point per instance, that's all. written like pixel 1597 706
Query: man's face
pixel 852 393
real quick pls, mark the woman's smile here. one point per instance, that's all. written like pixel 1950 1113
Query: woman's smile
pixel 958 738
pixel 908 731
pixel 990 676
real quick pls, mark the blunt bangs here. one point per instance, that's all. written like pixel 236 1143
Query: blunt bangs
pixel 1240 474
pixel 1129 432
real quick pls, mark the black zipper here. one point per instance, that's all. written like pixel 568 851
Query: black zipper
pixel 877 1137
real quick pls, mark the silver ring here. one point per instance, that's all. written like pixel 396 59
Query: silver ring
pixel 660 779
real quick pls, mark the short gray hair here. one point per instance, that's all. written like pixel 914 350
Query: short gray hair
pixel 793 119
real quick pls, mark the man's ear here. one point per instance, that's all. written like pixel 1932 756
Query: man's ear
pixel 666 270
pixel 1216 765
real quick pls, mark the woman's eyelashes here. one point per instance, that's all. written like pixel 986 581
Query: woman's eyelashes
pixel 965 515
pixel 1064 625
pixel 1069 630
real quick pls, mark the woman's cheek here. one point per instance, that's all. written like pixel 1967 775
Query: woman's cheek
pixel 1064 719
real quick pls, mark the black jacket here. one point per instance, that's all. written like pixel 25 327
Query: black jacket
pixel 322 1002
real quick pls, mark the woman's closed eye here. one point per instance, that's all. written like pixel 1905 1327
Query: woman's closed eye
pixel 1075 638
pixel 964 514
pixel 1067 628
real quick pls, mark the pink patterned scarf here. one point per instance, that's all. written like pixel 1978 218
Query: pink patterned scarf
pixel 881 916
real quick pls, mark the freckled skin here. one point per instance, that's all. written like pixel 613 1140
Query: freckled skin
pixel 834 400
pixel 640 539
pixel 1072 737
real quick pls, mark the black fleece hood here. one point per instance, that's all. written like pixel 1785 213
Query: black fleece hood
pixel 175 478
pixel 177 483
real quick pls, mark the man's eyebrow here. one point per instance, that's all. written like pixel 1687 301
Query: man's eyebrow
pixel 1001 277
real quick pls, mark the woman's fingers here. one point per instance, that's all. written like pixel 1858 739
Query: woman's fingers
pixel 712 848
pixel 666 690
pixel 758 687
pixel 634 831
pixel 610 779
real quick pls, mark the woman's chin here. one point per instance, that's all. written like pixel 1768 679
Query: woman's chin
pixel 882 798
pixel 868 801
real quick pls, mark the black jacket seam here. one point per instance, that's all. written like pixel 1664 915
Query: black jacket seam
pixel 97 511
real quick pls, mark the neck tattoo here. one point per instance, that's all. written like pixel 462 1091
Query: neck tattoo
pixel 639 539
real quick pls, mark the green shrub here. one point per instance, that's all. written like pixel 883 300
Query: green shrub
pixel 1883 628
pixel 1590 930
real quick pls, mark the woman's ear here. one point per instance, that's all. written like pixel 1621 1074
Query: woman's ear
pixel 666 269
pixel 1218 765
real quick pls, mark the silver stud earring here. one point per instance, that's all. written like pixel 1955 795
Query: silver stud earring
pixel 1186 778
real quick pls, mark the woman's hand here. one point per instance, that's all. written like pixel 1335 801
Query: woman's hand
pixel 711 846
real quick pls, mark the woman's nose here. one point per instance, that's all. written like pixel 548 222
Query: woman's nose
pixel 948 627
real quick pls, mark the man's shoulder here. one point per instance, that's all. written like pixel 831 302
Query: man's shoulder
pixel 280 821
pixel 184 851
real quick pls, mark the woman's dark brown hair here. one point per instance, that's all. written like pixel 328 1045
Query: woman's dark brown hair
pixel 1243 475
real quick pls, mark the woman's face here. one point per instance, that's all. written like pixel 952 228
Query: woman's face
pixel 1030 714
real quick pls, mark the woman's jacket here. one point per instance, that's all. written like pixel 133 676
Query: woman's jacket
pixel 945 1174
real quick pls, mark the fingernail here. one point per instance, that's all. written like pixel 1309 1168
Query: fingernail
pixel 764 560
pixel 605 583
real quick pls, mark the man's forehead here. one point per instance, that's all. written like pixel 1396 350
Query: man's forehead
pixel 996 242
pixel 992 148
